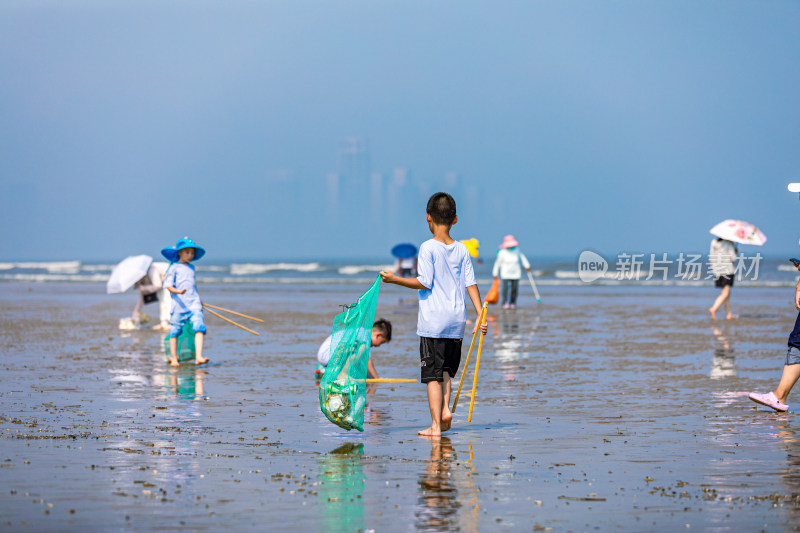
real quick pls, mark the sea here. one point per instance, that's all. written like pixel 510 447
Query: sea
pixel 624 269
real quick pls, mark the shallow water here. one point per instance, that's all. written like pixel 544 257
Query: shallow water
pixel 601 408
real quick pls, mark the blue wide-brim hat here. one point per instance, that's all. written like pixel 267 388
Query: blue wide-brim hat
pixel 171 252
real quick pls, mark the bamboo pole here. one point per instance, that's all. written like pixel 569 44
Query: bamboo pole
pixel 475 379
pixel 469 354
pixel 233 312
pixel 228 320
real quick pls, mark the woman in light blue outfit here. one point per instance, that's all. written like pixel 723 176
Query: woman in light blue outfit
pixel 507 266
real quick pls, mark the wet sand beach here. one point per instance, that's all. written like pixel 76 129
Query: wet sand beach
pixel 602 408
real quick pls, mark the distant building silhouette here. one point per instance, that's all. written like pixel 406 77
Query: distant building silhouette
pixel 362 204
pixel 377 198
pixel 333 200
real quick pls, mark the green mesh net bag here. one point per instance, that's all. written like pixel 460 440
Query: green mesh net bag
pixel 343 388
pixel 185 343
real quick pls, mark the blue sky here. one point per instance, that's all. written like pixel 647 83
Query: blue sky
pixel 608 125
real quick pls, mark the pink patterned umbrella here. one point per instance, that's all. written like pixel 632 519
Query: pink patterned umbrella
pixel 739 231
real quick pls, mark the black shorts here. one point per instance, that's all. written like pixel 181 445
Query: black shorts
pixel 438 356
pixel 724 281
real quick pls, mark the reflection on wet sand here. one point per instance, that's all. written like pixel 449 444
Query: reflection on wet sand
pixel 790 475
pixel 723 365
pixel 511 343
pixel 375 414
pixel 187 383
pixel 158 460
pixel 468 490
pixel 448 497
pixel 341 477
pixel 438 505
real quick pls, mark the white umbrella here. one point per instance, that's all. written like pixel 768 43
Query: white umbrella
pixel 739 231
pixel 127 272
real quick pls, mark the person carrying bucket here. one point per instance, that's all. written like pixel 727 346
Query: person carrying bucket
pixel 507 267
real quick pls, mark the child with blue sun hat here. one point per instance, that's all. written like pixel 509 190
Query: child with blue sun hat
pixel 181 282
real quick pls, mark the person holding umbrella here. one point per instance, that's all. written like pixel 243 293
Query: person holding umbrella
pixel 151 290
pixel 723 254
pixel 406 254
pixel 721 259
pixel 141 272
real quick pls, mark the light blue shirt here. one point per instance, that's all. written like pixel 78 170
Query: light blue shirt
pixel 447 272
pixel 182 276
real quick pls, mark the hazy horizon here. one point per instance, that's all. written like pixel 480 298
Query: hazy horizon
pixel 311 129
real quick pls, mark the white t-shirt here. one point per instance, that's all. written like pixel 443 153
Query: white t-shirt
pixel 507 264
pixel 721 258
pixel 182 276
pixel 324 352
pixel 447 271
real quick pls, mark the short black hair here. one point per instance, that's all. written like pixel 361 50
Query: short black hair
pixel 442 208
pixel 385 327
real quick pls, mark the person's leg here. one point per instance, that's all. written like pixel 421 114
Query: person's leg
pixel 504 291
pixel 723 296
pixel 199 326
pixel 199 336
pixel 176 322
pixel 173 352
pixel 789 377
pixel 435 406
pixel 447 414
pixel 791 371
pixel 452 360
pixel 431 372
pixel 514 289
pixel 728 314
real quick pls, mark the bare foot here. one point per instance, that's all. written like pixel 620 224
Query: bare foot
pixel 174 362
pixel 430 432
pixel 201 361
pixel 730 316
pixel 713 313
pixel 447 421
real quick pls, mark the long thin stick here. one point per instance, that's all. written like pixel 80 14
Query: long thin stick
pixel 536 292
pixel 234 313
pixel 466 363
pixel 228 320
pixel 469 354
pixel 475 379
pixel 390 380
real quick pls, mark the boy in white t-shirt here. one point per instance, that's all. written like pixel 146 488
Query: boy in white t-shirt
pixel 444 275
